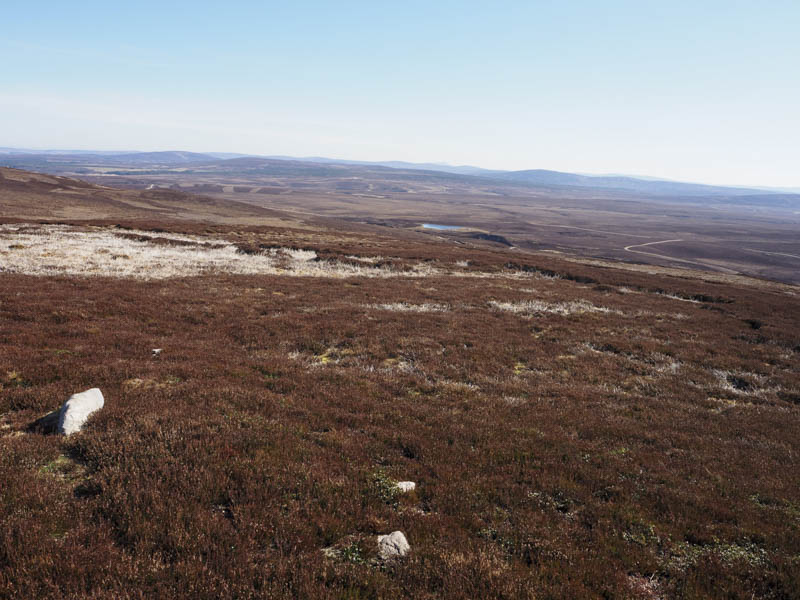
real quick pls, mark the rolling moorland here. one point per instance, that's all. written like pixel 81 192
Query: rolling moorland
pixel 577 427
pixel 622 219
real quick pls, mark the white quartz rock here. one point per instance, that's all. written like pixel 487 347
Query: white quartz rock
pixel 76 411
pixel 393 545
pixel 406 486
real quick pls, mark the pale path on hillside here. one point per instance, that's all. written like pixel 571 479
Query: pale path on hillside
pixel 772 253
pixel 601 231
pixel 628 248
pixel 662 256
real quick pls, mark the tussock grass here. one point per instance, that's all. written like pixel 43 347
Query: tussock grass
pixel 534 307
pixel 406 307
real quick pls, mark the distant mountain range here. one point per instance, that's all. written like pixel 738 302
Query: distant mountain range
pixel 5 150
pixel 394 164
pixel 26 158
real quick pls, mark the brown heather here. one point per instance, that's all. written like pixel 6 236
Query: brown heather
pixel 649 450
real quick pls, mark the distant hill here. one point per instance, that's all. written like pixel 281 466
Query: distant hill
pixel 634 184
pixel 81 163
pixel 393 164
pixel 26 195
pixel 546 178
pixel 171 157
pixel 6 150
pixel 8 156
pixel 554 182
pixel 226 155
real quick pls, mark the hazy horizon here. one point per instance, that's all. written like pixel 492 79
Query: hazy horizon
pixel 789 189
pixel 679 92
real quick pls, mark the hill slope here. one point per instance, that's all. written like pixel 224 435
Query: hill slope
pixel 574 430
pixel 535 180
pixel 26 195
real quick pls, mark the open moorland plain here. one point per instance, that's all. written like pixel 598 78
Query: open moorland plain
pixel 726 230
pixel 575 427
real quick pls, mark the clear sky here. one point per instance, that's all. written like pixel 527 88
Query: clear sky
pixel 698 90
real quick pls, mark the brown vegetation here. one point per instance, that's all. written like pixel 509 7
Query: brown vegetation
pixel 25 195
pixel 574 431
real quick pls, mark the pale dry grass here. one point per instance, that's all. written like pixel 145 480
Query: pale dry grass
pixel 533 307
pixel 655 362
pixel 743 383
pixel 406 307
pixel 370 260
pixel 678 298
pixel 47 250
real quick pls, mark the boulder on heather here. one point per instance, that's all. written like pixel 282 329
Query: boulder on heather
pixel 76 411
pixel 393 545
pixel 406 486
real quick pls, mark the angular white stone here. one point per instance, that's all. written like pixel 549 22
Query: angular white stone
pixel 393 545
pixel 156 351
pixel 77 409
pixel 406 486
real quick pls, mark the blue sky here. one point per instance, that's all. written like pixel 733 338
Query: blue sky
pixel 701 91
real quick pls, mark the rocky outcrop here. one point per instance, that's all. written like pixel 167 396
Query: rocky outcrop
pixel 76 411
pixel 393 545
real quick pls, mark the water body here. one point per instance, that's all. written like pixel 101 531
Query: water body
pixel 440 227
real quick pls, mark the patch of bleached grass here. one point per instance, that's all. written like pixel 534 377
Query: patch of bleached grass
pixel 551 276
pixel 47 250
pixel 509 276
pixel 593 348
pixel 514 400
pixel 530 308
pixel 676 297
pixel 614 390
pixel 664 364
pixel 649 313
pixel 370 260
pixel 458 386
pixel 657 362
pixel 293 253
pixel 401 365
pixel 406 307
pixel 741 383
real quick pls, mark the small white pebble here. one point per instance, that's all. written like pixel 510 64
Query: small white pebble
pixel 156 351
pixel 406 486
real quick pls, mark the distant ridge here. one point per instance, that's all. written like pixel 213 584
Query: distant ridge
pixel 394 164
pixel 6 150
pixel 634 184
pixel 163 157
pixel 169 157
pixel 28 195
pixel 546 178
pixel 543 177
pixel 40 159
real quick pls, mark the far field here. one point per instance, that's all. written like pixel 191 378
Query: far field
pixel 752 235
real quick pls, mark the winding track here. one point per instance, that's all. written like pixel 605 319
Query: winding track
pixel 773 253
pixel 670 258
pixel 628 248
